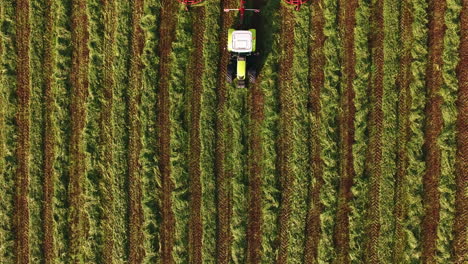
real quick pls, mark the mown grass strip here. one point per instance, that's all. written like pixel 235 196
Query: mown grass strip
pixel 285 137
pixel 459 246
pixel 8 130
pixel 207 129
pixel 447 137
pixel 416 164
pixel 391 51
pixel 136 252
pixel 316 81
pixel 37 122
pixel 179 138
pixel 61 122
pixel 299 126
pixel 361 83
pixel 79 92
pixel 151 182
pixel 120 141
pixel 403 83
pixel 93 201
pixel 433 128
pixel 329 100
pixel 48 246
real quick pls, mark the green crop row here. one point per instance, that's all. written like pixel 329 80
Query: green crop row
pixel 447 140
pixel 36 233
pixel 389 134
pixel 300 127
pixel 329 100
pixel 236 160
pixel 120 128
pixel 207 129
pixel 93 246
pixel 179 135
pixel 151 176
pixel 8 129
pixel 359 202
pixel 416 164
pixel 269 130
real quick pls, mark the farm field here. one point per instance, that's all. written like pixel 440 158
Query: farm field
pixel 122 142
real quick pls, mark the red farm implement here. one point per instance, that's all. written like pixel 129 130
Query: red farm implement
pixel 297 3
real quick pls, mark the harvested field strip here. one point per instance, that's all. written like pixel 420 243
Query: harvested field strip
pixel 93 249
pixel 416 164
pixel 207 129
pixel 403 83
pixel 316 81
pixel 447 137
pixel 179 136
pixel 23 93
pixel 299 127
pixel 268 132
pixel 136 253
pixel 79 93
pixel 329 153
pixel 359 203
pixel 49 136
pixel 8 131
pixel 346 128
pixel 150 177
pixel 389 129
pixel 433 128
pixel 37 106
pixel 196 71
pixel 61 125
pixel 460 249
pixel 285 137
pixel 120 141
pixel 106 133
pixel 374 155
pixel 166 36
pixel 223 237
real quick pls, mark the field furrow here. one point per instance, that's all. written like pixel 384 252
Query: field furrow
pixel 167 26
pixel 150 175
pixel 79 91
pixel 433 127
pixel 285 137
pixel 136 252
pixel 346 128
pixel 268 83
pixel 403 85
pixel 447 137
pixel 9 106
pixel 120 141
pixel 48 61
pixel 416 165
pixel 328 135
pixel 374 155
pixel 316 81
pixel 223 237
pixel 460 249
pixel 208 132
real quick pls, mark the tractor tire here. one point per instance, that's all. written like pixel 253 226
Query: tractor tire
pixel 230 73
pixel 252 76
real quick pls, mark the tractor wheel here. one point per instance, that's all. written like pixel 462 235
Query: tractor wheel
pixel 230 73
pixel 252 76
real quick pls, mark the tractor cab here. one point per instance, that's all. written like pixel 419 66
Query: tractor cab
pixel 242 47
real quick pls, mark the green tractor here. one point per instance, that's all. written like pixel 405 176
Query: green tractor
pixel 243 53
pixel 242 48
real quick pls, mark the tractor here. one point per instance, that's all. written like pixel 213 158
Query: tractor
pixel 243 51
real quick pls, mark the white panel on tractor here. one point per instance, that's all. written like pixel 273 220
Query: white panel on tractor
pixel 242 41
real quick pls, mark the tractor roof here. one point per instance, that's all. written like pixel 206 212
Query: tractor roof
pixel 242 41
